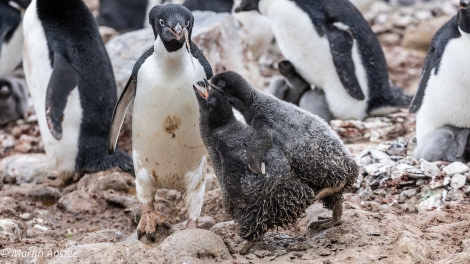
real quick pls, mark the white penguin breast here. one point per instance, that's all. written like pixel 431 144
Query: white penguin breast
pixel 11 55
pixel 310 53
pixel 37 73
pixel 446 98
pixel 165 129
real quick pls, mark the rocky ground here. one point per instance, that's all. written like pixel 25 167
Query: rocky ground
pixel 401 210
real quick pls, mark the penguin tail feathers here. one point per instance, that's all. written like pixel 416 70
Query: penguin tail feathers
pixel 118 159
pixel 399 98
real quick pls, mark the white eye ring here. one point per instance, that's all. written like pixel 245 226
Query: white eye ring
pixel 187 23
pixel 162 23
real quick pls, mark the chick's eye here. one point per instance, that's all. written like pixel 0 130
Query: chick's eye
pixel 187 24
pixel 162 23
pixel 221 84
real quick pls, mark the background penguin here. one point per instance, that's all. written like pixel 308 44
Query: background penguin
pixel 167 148
pixel 291 87
pixel 11 35
pixel 13 100
pixel 72 86
pixel 219 6
pixel 316 154
pixel 442 96
pixel 122 15
pixel 332 46
pixel 258 203
pixel 447 143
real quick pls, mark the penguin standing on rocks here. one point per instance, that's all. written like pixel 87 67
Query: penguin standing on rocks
pixel 11 34
pixel 442 96
pixel 333 47
pixel 13 100
pixel 292 88
pixel 167 147
pixel 315 153
pixel 257 202
pixel 71 81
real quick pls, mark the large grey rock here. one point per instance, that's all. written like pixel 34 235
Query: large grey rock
pixel 455 168
pixel 80 202
pixel 102 181
pixel 193 246
pixel 25 167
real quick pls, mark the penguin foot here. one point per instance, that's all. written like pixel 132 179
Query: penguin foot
pixel 329 222
pixel 244 249
pixel 191 224
pixel 152 223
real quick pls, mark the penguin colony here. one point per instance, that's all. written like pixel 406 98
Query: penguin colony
pixel 269 169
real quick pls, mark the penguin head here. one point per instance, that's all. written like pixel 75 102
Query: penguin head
pixel 170 23
pixel 464 16
pixel 215 109
pixel 237 90
pixel 247 5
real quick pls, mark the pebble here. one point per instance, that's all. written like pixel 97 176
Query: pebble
pixel 455 168
pixel 430 203
pixel 429 169
pixel 10 226
pixel 458 181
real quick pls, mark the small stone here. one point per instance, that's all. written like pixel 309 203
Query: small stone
pixel 106 235
pixel 430 169
pixel 262 253
pixel 25 167
pixel 30 233
pixel 399 170
pixel 415 173
pixel 25 216
pixel 430 203
pixel 446 181
pixel 379 155
pixel 378 169
pixel 458 181
pixel 46 194
pixel 455 168
pixel 454 195
pixel 10 226
pixel 206 222
pixel 466 189
pixel 79 202
pixel 41 227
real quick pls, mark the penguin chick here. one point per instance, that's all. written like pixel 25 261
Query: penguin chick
pixel 315 153
pixel 291 87
pixel 446 144
pixel 333 47
pixel 442 96
pixel 167 147
pixel 13 100
pixel 257 202
pixel 294 89
pixel 72 86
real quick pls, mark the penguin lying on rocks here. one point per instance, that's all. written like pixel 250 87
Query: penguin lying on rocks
pixel 13 100
pixel 315 153
pixel 291 87
pixel 257 202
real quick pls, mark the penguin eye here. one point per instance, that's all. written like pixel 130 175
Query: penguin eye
pixel 162 23
pixel 220 84
pixel 187 24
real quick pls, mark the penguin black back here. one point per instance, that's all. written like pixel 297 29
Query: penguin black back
pixel 219 6
pixel 79 59
pixel 122 15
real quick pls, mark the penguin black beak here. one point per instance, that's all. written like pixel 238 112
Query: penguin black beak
pixel 177 31
pixel 247 5
pixel 464 4
pixel 201 89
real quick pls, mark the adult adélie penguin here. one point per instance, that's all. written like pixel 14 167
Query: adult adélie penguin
pixel 167 147
pixel 11 34
pixel 72 86
pixel 332 46
pixel 443 92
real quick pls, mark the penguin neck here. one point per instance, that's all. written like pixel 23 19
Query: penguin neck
pixel 177 57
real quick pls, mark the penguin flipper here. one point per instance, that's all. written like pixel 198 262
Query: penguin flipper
pixel 63 80
pixel 341 44
pixel 119 112
pixel 126 97
pixel 259 145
